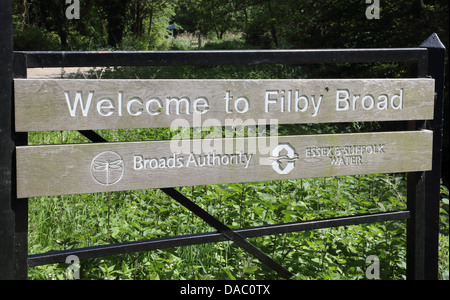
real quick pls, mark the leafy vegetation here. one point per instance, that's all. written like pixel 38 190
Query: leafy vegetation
pixel 262 23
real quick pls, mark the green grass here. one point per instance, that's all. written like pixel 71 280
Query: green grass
pixel 59 223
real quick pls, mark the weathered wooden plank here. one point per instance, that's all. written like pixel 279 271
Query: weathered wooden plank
pixel 45 105
pixel 85 168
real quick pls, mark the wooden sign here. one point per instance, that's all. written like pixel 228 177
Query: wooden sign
pixel 46 105
pixel 85 168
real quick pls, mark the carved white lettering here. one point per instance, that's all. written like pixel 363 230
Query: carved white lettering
pixel 301 102
pixel 151 111
pixel 79 101
pixel 399 96
pixel 105 107
pixel 193 160
pixel 178 102
pixel 345 155
pixel 201 105
pixel 135 112
pixel 274 101
pixel 367 102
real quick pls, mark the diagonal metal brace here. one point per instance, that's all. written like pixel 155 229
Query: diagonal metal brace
pixel 213 222
pixel 227 232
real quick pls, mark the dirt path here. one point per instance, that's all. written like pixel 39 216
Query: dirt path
pixel 54 73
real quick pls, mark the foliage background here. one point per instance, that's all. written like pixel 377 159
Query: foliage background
pixel 86 220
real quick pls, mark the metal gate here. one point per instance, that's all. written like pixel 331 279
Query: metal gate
pixel 422 213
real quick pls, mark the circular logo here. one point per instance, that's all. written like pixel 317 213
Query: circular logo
pixel 284 163
pixel 107 168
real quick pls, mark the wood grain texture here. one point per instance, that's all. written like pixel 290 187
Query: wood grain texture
pixel 66 104
pixel 87 168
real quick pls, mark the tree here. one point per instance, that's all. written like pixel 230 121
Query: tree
pixel 46 14
pixel 205 16
pixel 115 14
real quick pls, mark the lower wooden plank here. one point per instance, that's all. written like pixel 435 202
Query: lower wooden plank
pixel 87 168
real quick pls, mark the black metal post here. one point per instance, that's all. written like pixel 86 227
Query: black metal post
pixel 424 197
pixel 7 225
pixel 20 206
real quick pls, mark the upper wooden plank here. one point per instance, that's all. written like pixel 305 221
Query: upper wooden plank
pixel 62 104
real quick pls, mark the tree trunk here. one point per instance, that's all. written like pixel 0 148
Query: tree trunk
pixel 150 23
pixel 62 25
pixel 115 14
pixel 273 31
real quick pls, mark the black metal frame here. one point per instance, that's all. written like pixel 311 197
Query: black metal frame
pixel 422 212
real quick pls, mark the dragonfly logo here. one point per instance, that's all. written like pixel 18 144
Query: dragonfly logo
pixel 107 168
pixel 284 158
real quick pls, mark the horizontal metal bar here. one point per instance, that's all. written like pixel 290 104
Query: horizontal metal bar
pixel 122 248
pixel 210 237
pixel 324 223
pixel 41 59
